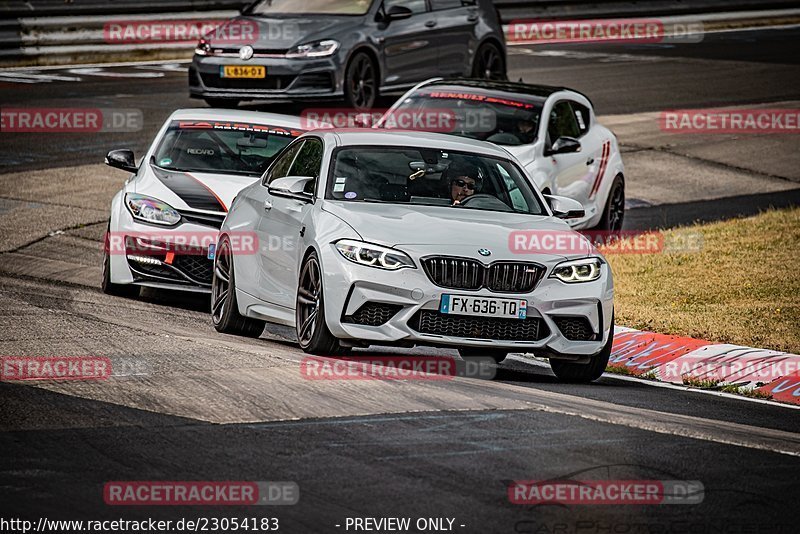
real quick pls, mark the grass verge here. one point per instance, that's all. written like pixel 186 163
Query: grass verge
pixel 742 286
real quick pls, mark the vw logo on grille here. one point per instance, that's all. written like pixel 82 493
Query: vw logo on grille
pixel 484 252
pixel 245 52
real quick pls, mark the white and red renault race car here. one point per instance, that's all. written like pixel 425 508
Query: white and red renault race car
pixel 165 220
pixel 552 131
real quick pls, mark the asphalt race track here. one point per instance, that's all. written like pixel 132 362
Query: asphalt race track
pixel 187 403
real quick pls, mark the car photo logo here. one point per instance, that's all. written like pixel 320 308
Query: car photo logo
pixel 484 252
pixel 245 52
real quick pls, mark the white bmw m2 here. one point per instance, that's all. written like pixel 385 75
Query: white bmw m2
pixel 409 238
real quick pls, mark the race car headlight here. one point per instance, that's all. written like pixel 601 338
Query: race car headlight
pixel 152 210
pixel 203 48
pixel 584 270
pixel 317 49
pixel 374 255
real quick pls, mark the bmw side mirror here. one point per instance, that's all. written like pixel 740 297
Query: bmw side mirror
pixel 122 159
pixel 291 187
pixel 565 145
pixel 397 13
pixel 565 208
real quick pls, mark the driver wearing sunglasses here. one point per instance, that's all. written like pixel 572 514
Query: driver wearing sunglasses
pixel 464 181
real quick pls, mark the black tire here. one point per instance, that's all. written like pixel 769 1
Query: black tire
pixel 583 373
pixel 109 288
pixel 489 63
pixel 223 103
pixel 614 211
pixel 312 331
pixel 224 308
pixel 361 82
pixel 497 355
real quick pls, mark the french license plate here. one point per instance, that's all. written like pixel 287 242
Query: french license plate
pixel 483 306
pixel 211 249
pixel 243 71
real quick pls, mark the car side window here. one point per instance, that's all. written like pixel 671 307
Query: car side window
pixel 582 117
pixel 416 6
pixel 308 162
pixel 280 168
pixel 562 122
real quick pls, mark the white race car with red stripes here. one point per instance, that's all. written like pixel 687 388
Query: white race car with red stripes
pixel 165 220
pixel 552 131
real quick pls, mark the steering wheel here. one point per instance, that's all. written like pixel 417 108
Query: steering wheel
pixel 486 201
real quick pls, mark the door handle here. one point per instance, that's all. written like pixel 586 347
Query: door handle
pixel 590 161
pixel 267 205
pixel 430 24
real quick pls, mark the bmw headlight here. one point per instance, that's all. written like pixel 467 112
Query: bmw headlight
pixel 373 255
pixel 317 49
pixel 585 270
pixel 151 210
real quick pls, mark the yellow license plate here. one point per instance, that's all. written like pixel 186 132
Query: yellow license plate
pixel 239 71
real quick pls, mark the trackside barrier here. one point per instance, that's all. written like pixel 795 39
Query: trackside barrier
pixel 40 32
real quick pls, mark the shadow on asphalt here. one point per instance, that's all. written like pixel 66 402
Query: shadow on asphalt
pixel 176 299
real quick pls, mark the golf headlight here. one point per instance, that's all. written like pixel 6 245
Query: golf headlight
pixel 203 48
pixel 151 210
pixel 584 270
pixel 317 49
pixel 373 255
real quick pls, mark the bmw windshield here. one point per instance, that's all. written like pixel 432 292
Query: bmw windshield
pixel 310 7
pixel 221 147
pixel 499 120
pixel 430 177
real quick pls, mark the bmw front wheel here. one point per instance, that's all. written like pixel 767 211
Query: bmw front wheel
pixel 312 331
pixel 583 373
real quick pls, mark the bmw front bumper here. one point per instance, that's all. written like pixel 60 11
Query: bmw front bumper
pixel 366 305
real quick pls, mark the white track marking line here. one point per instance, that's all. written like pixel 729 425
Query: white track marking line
pixel 100 65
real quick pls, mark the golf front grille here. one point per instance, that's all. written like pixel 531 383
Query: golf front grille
pixel 575 328
pixel 493 328
pixel 373 314
pixel 500 276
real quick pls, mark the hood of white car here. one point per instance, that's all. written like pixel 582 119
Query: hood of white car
pixel 456 231
pixel 198 191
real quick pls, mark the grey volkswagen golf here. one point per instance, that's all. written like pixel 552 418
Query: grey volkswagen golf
pixel 345 49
